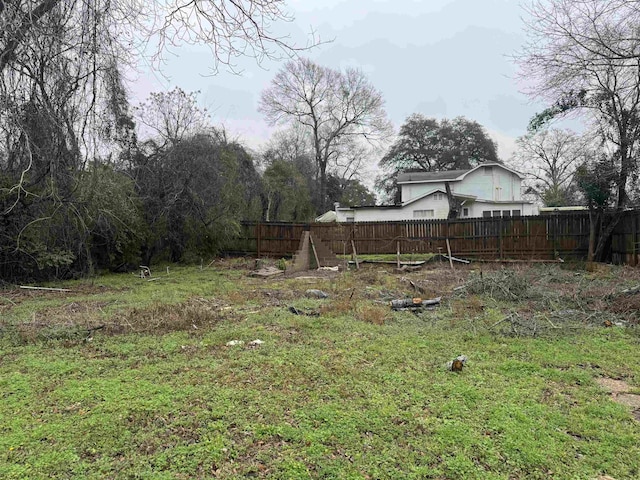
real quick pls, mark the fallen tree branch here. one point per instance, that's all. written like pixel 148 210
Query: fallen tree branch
pixel 628 291
pixel 48 289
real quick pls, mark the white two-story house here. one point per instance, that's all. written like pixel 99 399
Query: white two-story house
pixel 488 190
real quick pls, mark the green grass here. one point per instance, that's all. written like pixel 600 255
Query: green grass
pixel 120 292
pixel 404 257
pixel 324 397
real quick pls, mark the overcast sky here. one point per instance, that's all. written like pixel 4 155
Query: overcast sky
pixel 440 58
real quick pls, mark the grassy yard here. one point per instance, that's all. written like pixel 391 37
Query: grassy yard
pixel 353 390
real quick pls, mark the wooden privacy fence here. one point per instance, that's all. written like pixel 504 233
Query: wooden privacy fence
pixel 625 241
pixel 564 235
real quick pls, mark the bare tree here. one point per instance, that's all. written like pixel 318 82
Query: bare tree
pixel 172 116
pixel 550 158
pixel 584 57
pixel 288 144
pixel 598 30
pixel 334 106
pixel 63 105
pixel 229 28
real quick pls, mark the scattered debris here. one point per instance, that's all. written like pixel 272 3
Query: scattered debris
pixel 457 364
pixel 414 303
pixel 297 311
pixel 392 262
pixel 90 331
pixel 255 343
pixel 267 272
pixel 408 268
pixel 313 293
pixel 330 269
pixel 628 291
pixel 234 343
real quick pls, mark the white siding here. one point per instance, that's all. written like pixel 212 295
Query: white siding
pixel 415 190
pixel 477 209
pixel 499 185
pixel 371 214
pixel 495 189
pixel 437 202
pixel 440 210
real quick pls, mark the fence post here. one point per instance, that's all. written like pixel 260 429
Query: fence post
pixel 258 238
pixel 500 249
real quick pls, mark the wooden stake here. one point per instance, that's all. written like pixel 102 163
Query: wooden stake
pixel 398 255
pixel 449 252
pixel 315 254
pixel 355 254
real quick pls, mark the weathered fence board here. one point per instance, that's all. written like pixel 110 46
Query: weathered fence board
pixel 539 237
pixel 625 246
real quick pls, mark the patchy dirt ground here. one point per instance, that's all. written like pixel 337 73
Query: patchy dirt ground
pixel 620 393
pixel 512 299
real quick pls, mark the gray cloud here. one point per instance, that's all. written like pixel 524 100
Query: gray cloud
pixel 442 58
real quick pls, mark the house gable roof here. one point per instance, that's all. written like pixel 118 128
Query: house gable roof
pixel 437 190
pixel 412 177
pixel 448 176
pixel 409 202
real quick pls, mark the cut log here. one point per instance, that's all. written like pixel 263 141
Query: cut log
pixel 413 303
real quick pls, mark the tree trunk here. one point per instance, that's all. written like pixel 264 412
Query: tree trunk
pixel 322 167
pixel 454 204
pixel 605 234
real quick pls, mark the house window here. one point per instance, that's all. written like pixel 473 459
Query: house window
pixel 486 214
pixel 488 170
pixel 423 214
pixel 506 213
pixel 465 212
pixel 351 219
pixel 496 213
pixel 516 213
